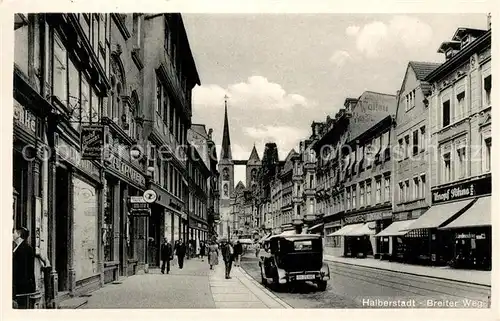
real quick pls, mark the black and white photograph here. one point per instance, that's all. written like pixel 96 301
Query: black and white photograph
pixel 182 160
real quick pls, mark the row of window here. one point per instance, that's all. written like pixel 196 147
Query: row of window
pixel 168 176
pixel 166 110
pixel 198 207
pixel 454 162
pixel 411 190
pixel 198 177
pixel 451 113
pixel 418 144
pixel 410 100
pixel 365 193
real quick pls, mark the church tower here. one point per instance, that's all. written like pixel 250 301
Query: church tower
pixel 226 177
pixel 252 169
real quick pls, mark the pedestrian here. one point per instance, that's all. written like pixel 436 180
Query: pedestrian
pixel 202 249
pixel 181 252
pixel 228 257
pixel 213 255
pixel 23 268
pixel 166 256
pixel 238 251
pixel 257 250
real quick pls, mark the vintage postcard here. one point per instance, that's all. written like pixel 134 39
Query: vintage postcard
pixel 249 160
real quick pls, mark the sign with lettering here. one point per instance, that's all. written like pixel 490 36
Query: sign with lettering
pixel 463 190
pixel 24 118
pixel 126 170
pixel 70 154
pixel 481 236
pixel 92 140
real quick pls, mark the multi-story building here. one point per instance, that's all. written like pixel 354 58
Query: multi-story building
pixel 226 187
pixel 457 227
pixel 213 185
pixel 367 169
pixel 329 145
pixel 78 76
pixel 285 177
pixel 199 174
pixel 168 78
pixel 411 185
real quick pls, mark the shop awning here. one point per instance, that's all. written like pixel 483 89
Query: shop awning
pixel 346 229
pixel 364 229
pixel 396 228
pixel 479 214
pixel 315 227
pixel 438 214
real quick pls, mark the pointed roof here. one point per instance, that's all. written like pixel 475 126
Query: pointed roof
pixel 240 186
pixel 422 69
pixel 226 141
pixel 254 156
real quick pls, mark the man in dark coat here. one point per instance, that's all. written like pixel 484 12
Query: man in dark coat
pixel 166 256
pixel 227 256
pixel 23 268
pixel 181 253
pixel 238 251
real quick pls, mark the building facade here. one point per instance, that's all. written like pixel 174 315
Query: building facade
pixel 95 112
pixel 411 184
pixel 168 79
pixel 460 131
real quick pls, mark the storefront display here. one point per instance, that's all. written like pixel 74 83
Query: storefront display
pixel 85 211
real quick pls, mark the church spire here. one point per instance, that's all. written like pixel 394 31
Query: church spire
pixel 226 142
pixel 254 156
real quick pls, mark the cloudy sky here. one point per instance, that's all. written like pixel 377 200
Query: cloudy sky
pixel 282 72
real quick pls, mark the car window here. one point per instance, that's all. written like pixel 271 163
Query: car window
pixel 303 245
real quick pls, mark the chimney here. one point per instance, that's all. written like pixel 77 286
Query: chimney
pixel 488 19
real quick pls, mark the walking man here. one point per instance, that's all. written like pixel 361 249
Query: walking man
pixel 238 251
pixel 166 256
pixel 23 268
pixel 181 253
pixel 228 256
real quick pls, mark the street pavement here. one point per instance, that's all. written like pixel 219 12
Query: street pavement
pixel 195 286
pixel 354 286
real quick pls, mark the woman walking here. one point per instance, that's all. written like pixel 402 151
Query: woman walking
pixel 213 254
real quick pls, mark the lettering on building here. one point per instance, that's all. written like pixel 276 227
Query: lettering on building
pixel 24 118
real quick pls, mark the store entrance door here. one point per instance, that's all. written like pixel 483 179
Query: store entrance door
pixel 155 238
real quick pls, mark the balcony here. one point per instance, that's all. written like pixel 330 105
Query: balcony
pixel 170 74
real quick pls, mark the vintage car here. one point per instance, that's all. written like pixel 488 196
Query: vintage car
pixel 286 259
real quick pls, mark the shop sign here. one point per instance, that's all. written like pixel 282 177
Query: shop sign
pixel 354 219
pixel 463 190
pixel 71 155
pixel 92 140
pixel 126 170
pixel 24 118
pixel 481 236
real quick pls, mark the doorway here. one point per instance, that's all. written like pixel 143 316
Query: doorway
pixel 62 227
pixel 155 238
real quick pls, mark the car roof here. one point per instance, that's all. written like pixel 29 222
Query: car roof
pixel 295 237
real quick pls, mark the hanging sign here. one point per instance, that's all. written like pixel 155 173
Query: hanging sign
pixel 92 140
pixel 150 196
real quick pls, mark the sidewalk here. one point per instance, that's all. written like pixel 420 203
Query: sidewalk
pixel 445 273
pixel 241 291
pixel 195 286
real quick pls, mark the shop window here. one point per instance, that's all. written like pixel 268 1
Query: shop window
pixel 487 91
pixel 59 72
pixel 446 115
pixel 460 109
pixel 108 224
pixel 446 168
pixel 461 162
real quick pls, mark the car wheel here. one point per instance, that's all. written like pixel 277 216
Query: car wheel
pixel 322 285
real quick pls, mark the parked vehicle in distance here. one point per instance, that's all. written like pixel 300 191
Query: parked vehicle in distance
pixel 287 259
